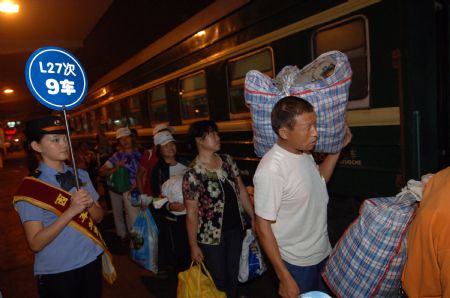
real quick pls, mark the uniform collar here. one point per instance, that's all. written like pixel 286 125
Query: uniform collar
pixel 48 170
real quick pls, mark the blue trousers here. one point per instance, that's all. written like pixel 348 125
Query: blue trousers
pixel 308 278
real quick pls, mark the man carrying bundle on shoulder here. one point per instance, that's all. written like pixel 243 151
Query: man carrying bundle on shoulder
pixel 291 199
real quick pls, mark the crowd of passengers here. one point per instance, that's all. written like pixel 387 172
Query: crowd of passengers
pixel 209 225
pixel 288 213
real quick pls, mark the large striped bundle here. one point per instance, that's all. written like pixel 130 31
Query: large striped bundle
pixel 368 259
pixel 325 83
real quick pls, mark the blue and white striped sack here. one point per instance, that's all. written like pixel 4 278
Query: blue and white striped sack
pixel 368 259
pixel 325 83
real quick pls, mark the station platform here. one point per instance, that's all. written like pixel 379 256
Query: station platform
pixel 16 259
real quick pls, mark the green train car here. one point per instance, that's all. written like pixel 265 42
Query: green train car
pixel 399 98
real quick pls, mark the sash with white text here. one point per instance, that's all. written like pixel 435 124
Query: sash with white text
pixel 57 200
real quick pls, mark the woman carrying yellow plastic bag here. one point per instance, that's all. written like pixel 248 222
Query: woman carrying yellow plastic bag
pixel 193 283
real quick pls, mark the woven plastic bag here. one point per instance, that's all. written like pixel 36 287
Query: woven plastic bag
pixel 119 181
pixel 251 263
pixel 368 259
pixel 144 241
pixel 324 83
pixel 196 282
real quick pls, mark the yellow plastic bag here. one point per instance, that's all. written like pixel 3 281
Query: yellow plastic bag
pixel 193 283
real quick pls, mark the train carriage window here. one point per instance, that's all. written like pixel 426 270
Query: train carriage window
pixel 116 117
pixel 237 69
pixel 350 37
pixel 194 101
pixel 92 121
pixel 103 113
pixel 134 111
pixel 84 123
pixel 157 104
pixel 73 123
pixel 78 124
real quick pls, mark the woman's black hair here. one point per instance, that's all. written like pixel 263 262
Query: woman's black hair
pixel 33 158
pixel 200 129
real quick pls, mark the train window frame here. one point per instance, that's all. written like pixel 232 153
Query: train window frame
pixel 241 81
pixel 123 119
pixel 84 122
pixel 103 117
pixel 92 117
pixel 72 124
pixel 136 97
pixel 364 102
pixel 78 125
pixel 192 93
pixel 153 120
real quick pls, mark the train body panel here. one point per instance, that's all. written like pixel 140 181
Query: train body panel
pixel 398 108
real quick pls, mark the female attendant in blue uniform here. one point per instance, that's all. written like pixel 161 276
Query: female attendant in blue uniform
pixel 67 262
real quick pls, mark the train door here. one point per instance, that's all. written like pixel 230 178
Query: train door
pixel 443 80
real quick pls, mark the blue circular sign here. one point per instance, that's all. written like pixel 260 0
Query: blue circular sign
pixel 56 78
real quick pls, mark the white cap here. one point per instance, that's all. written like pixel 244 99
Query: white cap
pixel 163 126
pixel 162 138
pixel 122 132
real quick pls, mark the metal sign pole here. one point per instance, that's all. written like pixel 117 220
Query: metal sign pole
pixel 74 162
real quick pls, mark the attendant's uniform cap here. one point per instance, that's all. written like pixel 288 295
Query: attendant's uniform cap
pixel 35 129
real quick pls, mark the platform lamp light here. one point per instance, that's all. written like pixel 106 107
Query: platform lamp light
pixel 8 91
pixel 7 6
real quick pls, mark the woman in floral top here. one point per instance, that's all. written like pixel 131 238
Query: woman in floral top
pixel 215 198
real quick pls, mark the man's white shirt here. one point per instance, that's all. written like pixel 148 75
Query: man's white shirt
pixel 290 191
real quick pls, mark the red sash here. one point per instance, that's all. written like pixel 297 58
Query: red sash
pixel 57 200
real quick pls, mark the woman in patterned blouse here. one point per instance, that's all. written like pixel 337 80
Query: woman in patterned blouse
pixel 128 156
pixel 215 198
